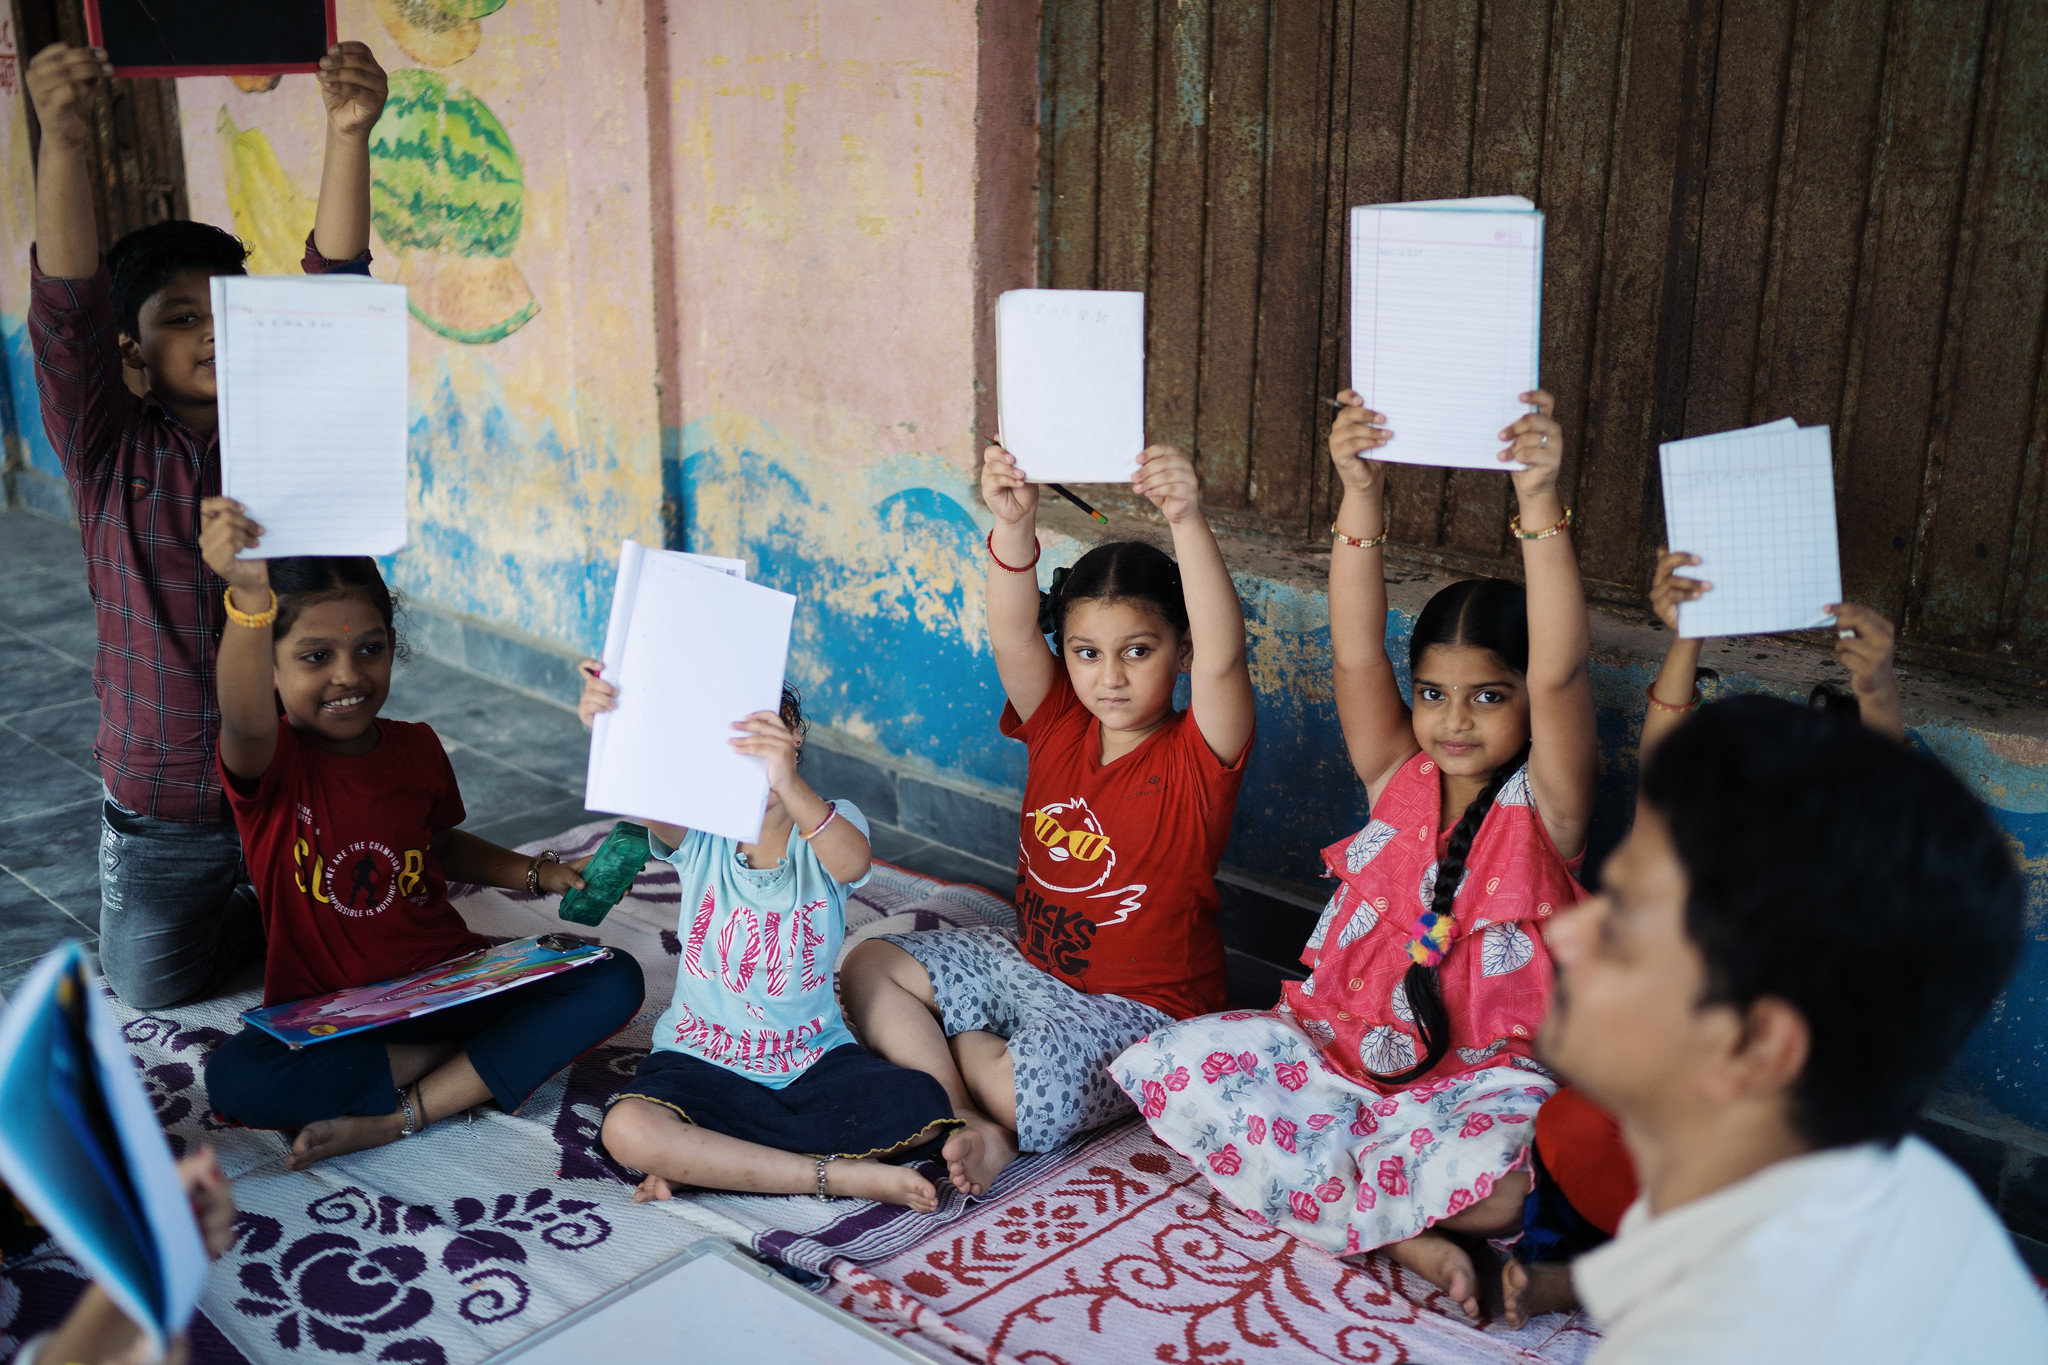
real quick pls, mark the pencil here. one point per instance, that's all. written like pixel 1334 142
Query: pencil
pixel 1062 490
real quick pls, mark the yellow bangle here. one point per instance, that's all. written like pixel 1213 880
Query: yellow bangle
pixel 261 620
pixel 1515 527
pixel 1337 537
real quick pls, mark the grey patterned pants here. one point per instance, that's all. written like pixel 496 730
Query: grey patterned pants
pixel 1061 1040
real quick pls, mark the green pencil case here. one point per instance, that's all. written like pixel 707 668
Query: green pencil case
pixel 609 875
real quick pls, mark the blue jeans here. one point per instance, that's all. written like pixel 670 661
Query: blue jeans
pixel 515 1040
pixel 177 913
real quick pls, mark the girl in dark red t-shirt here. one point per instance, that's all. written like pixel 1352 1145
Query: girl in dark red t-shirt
pixel 348 823
pixel 1127 807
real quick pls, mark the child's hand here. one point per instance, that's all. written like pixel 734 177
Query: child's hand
pixel 1866 649
pixel 224 532
pixel 598 695
pixel 353 87
pixel 1354 436
pixel 767 737
pixel 1667 590
pixel 213 1202
pixel 60 83
pixel 1004 488
pixel 1168 478
pixel 1538 442
pixel 558 879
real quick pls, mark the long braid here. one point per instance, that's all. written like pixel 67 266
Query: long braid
pixel 1425 993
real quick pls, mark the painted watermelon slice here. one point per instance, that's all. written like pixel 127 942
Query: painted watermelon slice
pixel 435 35
pixel 472 299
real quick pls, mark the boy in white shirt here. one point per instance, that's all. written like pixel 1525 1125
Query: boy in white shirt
pixel 1787 952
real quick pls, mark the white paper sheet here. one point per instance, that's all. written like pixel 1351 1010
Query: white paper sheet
pixel 1070 382
pixel 691 649
pixel 1758 507
pixel 312 396
pixel 1446 300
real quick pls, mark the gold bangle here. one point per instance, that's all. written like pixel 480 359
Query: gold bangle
pixel 1337 537
pixel 261 620
pixel 1515 527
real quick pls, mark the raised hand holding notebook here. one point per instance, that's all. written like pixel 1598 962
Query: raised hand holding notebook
pixel 81 1149
pixel 1446 297
pixel 691 650
pixel 1070 383
pixel 312 383
pixel 1758 507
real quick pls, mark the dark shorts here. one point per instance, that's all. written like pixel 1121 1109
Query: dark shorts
pixel 850 1103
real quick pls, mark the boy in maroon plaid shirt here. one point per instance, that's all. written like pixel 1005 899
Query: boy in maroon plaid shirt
pixel 177 913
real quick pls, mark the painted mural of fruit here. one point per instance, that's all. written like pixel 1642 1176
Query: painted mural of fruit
pixel 271 217
pixel 435 34
pixel 470 9
pixel 448 197
pixel 256 85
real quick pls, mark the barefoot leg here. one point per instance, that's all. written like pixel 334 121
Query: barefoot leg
pixel 410 1061
pixel 1497 1215
pixel 1443 1263
pixel 650 1138
pixel 449 1088
pixel 991 1074
pixel 1534 1288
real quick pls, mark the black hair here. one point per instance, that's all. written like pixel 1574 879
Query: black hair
pixel 1856 880
pixel 1115 571
pixel 1834 701
pixel 302 580
pixel 144 260
pixel 1485 613
pixel 792 713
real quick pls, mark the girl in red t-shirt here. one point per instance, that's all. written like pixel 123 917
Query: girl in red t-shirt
pixel 348 823
pixel 1127 807
pixel 1388 1098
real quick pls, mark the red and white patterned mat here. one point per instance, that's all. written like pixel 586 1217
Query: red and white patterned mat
pixel 1123 1253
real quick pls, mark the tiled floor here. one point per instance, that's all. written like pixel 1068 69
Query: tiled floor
pixel 520 760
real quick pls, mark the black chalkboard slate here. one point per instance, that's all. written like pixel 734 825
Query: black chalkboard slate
pixel 210 37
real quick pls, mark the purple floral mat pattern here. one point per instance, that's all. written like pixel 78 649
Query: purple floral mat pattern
pixel 453 1245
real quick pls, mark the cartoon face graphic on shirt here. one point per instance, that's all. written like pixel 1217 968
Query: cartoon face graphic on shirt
pixel 1066 849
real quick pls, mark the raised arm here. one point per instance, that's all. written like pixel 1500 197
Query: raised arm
pixel 245 671
pixel 1219 683
pixel 1672 694
pixel 1563 746
pixel 841 848
pixel 353 87
pixel 1377 730
pixel 1866 651
pixel 1028 669
pixel 60 81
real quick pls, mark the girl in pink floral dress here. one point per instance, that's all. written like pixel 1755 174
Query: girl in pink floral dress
pixel 1388 1099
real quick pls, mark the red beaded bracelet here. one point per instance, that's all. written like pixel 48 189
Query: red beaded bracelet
pixel 1036 551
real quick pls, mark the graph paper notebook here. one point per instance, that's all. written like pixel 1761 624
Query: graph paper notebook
pixel 1070 383
pixel 1446 301
pixel 691 648
pixel 1758 507
pixel 312 388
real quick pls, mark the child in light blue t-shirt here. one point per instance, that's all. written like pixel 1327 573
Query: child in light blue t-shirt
pixel 754 1082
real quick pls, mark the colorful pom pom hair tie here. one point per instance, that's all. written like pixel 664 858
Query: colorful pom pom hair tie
pixel 1429 938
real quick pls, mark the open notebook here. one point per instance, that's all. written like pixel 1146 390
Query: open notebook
pixel 1446 302
pixel 692 647
pixel 81 1149
pixel 312 396
pixel 1070 383
pixel 1758 507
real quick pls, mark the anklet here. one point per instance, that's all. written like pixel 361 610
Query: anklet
pixel 823 1161
pixel 411 1122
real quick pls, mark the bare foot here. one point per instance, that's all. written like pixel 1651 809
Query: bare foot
pixel 856 1178
pixel 1534 1289
pixel 652 1188
pixel 977 1154
pixel 1443 1263
pixel 335 1137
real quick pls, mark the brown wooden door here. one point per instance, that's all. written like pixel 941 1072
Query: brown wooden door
pixel 134 150
pixel 1835 210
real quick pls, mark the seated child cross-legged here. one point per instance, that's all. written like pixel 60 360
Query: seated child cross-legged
pixel 1127 807
pixel 754 1082
pixel 1386 1101
pixel 350 823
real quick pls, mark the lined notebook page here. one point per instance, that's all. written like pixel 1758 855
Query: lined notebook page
pixel 1445 323
pixel 312 375
pixel 1070 382
pixel 1758 507
pixel 691 648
